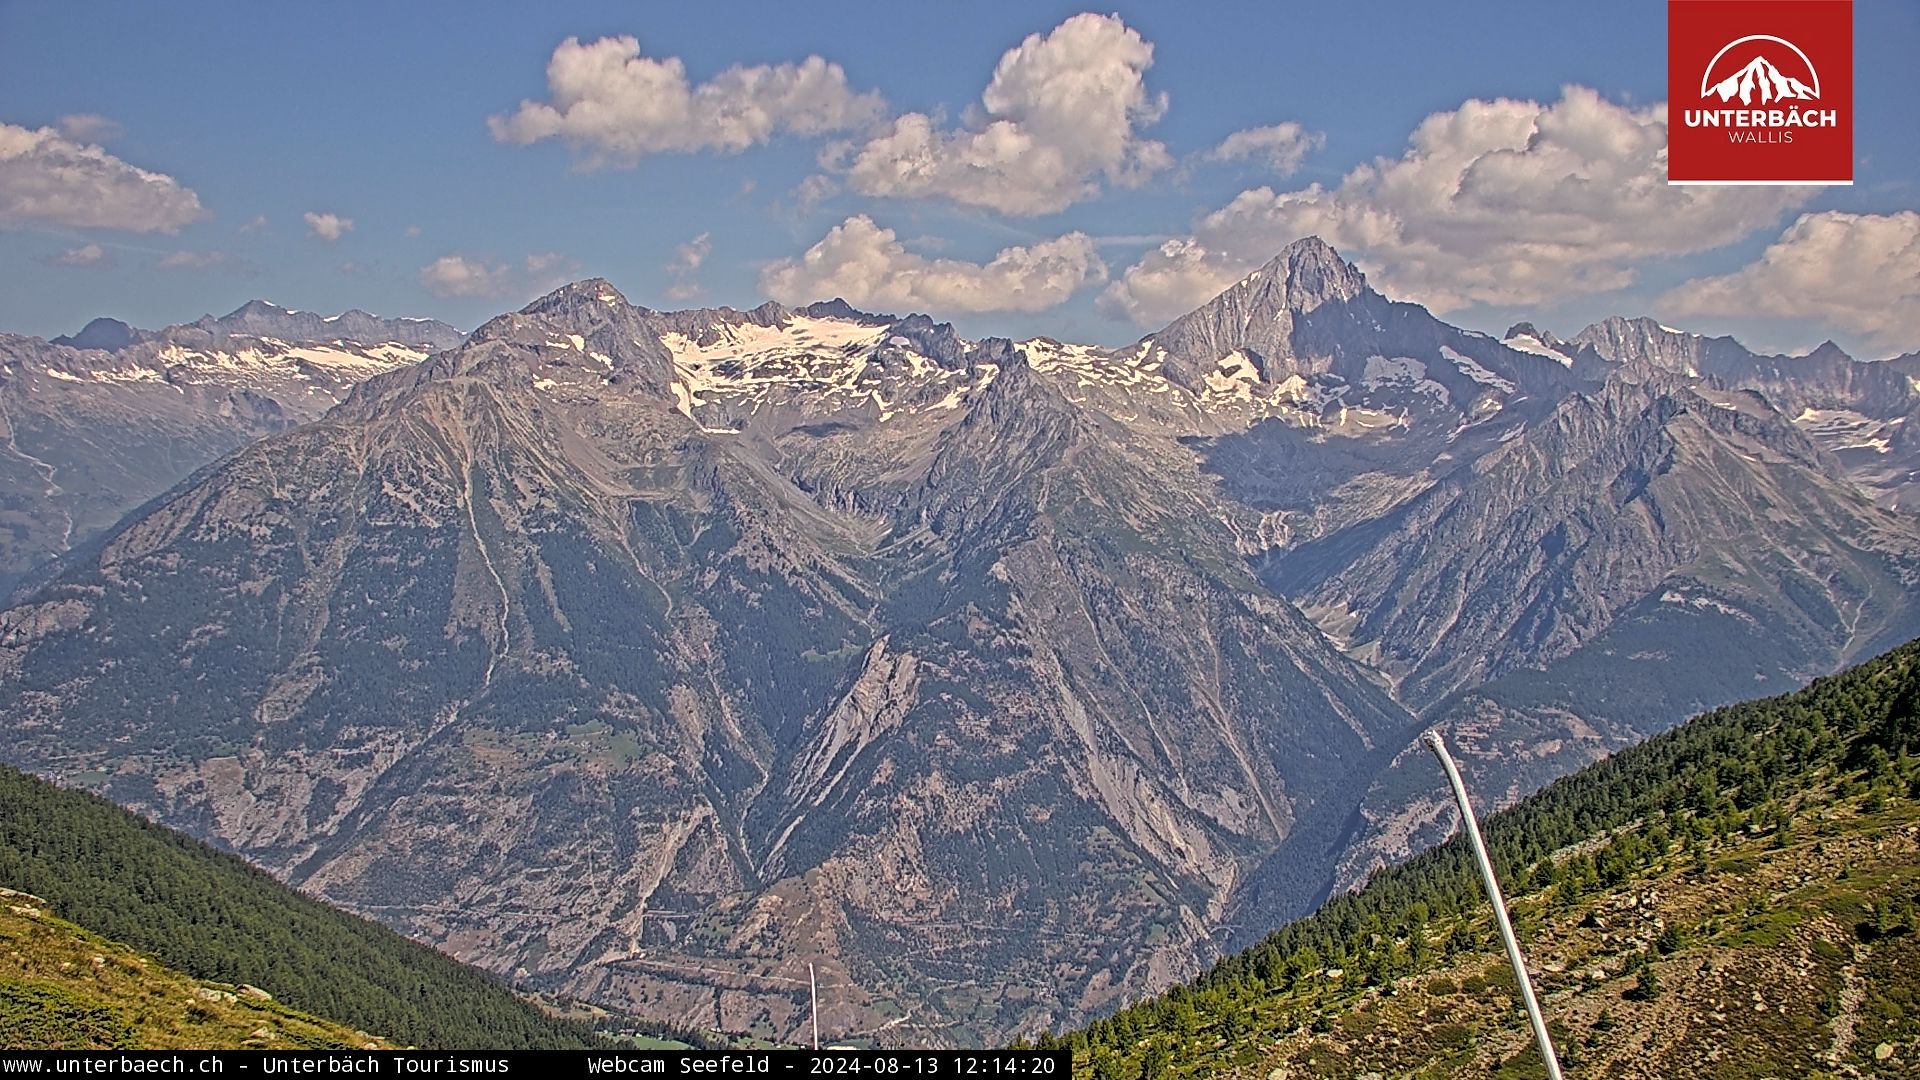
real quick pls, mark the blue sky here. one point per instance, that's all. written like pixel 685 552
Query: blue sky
pixel 378 115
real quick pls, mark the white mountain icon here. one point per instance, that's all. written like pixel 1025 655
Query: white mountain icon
pixel 1761 80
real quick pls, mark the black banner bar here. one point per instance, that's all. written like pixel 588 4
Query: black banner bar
pixel 740 1065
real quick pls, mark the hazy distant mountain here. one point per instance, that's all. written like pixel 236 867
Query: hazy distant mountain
pixel 100 422
pixel 1862 412
pixel 105 334
pixel 649 656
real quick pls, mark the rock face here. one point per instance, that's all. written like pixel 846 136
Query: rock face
pixel 649 656
pixel 1861 412
pixel 98 423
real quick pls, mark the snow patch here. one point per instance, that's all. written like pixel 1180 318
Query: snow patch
pixel 1234 376
pixel 1471 369
pixel 1527 343
pixel 1843 429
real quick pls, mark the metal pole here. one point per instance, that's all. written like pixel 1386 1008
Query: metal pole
pixel 1472 828
pixel 813 995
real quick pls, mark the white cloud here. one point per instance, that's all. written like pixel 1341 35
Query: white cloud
pixel 255 224
pixel 1281 147
pixel 813 191
pixel 1497 202
pixel 685 267
pixel 1061 112
pixel 88 127
pixel 546 272
pixel 47 177
pixel 867 265
pixel 1858 273
pixel 87 255
pixel 328 227
pixel 202 261
pixel 619 106
pixel 1168 282
pixel 458 275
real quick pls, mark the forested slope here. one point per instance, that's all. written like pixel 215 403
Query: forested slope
pixel 213 917
pixel 1735 897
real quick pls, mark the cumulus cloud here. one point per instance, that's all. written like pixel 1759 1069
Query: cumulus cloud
pixel 88 127
pixel 685 267
pixel 328 227
pixel 867 265
pixel 1167 282
pixel 618 106
pixel 1280 147
pixel 50 178
pixel 1062 111
pixel 255 224
pixel 1857 273
pixel 1497 202
pixel 86 255
pixel 459 275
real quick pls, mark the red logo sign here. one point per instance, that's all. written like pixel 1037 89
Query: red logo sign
pixel 1760 91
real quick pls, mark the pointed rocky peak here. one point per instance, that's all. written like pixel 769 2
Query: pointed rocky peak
pixel 770 313
pixel 1829 351
pixel 1016 399
pixel 585 326
pixel 576 296
pixel 1309 272
pixel 579 308
pixel 1258 316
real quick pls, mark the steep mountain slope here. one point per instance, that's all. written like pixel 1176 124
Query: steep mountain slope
pixel 1735 898
pixel 216 919
pixel 97 424
pixel 1548 571
pixel 518 650
pixel 647 656
pixel 65 988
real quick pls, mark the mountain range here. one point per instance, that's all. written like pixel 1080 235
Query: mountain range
pixel 646 657
pixel 99 422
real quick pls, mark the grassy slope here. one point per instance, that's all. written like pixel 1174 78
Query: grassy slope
pixel 1733 899
pixel 216 918
pixel 65 988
